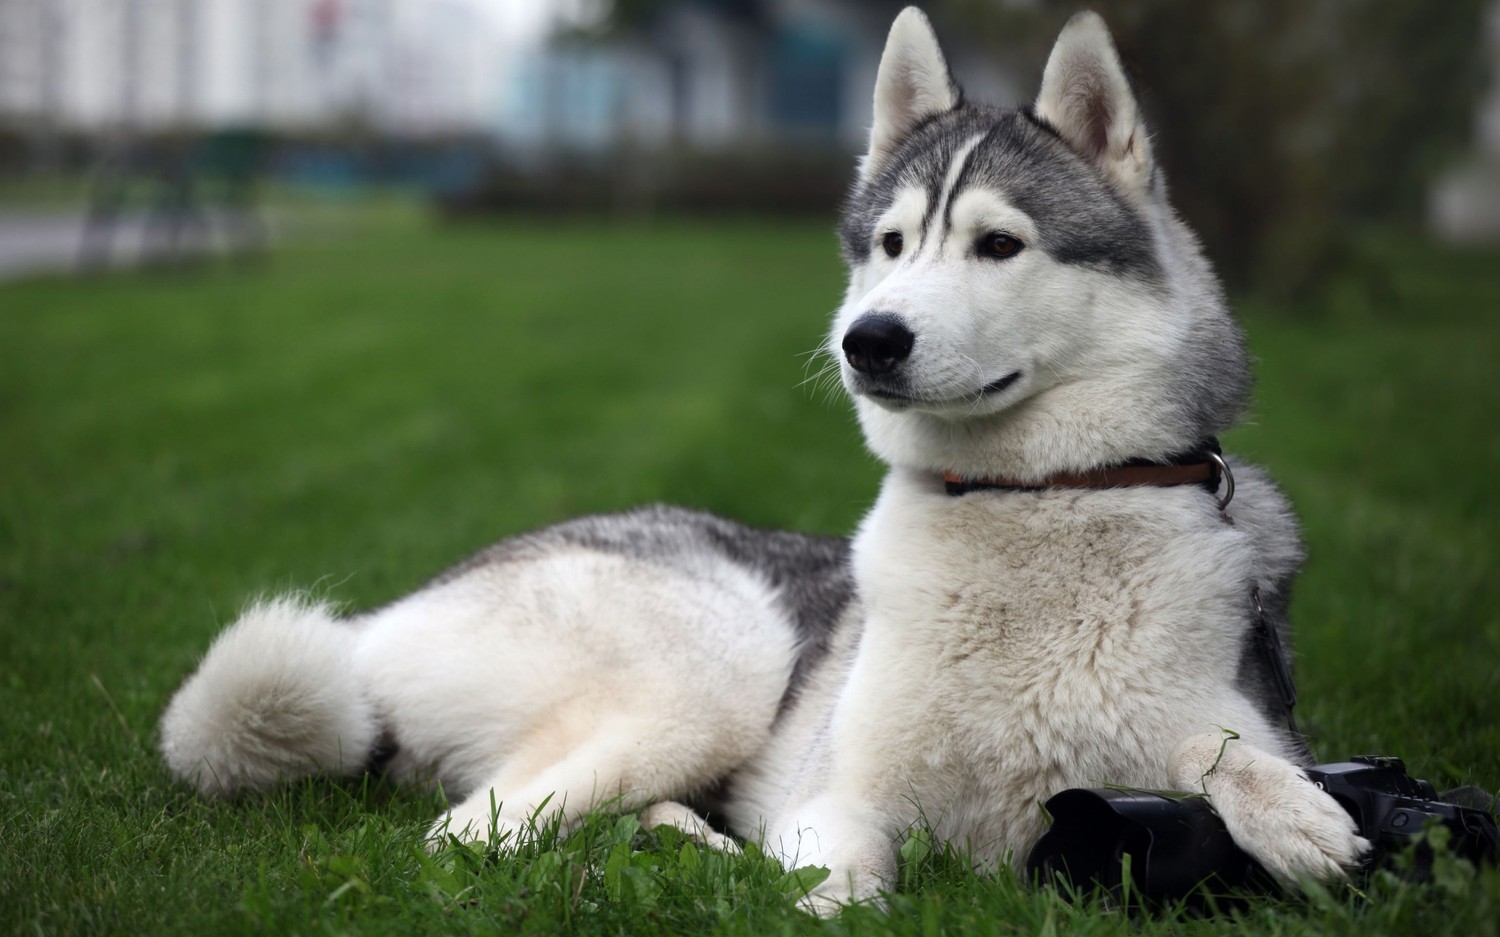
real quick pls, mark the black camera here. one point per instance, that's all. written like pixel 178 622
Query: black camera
pixel 1148 847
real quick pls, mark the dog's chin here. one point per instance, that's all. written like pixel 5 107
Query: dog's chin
pixel 904 398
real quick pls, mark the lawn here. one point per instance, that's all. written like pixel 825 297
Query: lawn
pixel 357 413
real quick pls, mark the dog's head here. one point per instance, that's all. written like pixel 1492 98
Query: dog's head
pixel 1022 300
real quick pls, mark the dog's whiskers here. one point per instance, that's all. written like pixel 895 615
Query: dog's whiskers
pixel 825 379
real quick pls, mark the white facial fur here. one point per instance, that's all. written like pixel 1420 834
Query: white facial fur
pixel 1103 360
pixel 1064 328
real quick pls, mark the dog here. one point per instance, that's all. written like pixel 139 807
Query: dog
pixel 1056 586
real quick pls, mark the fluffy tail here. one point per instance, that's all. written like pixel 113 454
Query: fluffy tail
pixel 275 698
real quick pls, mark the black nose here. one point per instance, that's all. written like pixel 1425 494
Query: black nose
pixel 877 342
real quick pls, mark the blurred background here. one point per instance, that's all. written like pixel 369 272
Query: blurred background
pixel 165 125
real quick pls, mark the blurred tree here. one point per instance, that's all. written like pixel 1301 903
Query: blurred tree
pixel 627 14
pixel 1281 124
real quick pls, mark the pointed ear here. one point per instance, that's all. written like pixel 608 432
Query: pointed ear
pixel 1086 97
pixel 913 84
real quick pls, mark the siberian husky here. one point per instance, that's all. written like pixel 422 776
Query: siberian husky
pixel 1052 589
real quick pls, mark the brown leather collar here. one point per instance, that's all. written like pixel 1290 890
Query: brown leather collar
pixel 1203 466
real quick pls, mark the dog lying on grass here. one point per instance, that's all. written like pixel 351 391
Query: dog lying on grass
pixel 1052 590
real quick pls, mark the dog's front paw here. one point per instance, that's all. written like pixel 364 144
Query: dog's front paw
pixel 845 885
pixel 1283 820
pixel 475 827
pixel 1300 832
pixel 823 903
pixel 860 859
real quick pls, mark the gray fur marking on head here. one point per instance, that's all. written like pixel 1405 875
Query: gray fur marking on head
pixel 1081 218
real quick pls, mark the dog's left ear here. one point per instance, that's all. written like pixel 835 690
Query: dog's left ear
pixel 912 84
pixel 1087 98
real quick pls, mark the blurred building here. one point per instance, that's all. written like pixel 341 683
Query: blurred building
pixel 716 73
pixel 96 65
pixel 546 105
pixel 703 73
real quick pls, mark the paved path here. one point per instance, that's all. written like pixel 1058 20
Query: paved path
pixel 39 242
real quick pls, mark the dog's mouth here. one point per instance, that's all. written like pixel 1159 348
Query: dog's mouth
pixel 900 398
pixel 995 387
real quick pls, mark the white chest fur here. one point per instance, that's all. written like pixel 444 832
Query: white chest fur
pixel 1020 643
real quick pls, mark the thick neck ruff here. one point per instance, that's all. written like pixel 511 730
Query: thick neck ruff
pixel 1203 466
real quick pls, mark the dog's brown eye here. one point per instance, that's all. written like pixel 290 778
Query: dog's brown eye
pixel 892 243
pixel 999 245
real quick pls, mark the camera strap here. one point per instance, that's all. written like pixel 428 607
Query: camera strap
pixel 1277 660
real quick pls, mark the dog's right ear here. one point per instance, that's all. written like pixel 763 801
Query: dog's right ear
pixel 913 84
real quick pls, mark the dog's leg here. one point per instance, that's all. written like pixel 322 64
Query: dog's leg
pixel 852 841
pixel 1278 816
pixel 685 818
pixel 624 765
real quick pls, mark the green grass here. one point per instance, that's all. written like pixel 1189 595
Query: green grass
pixel 359 413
